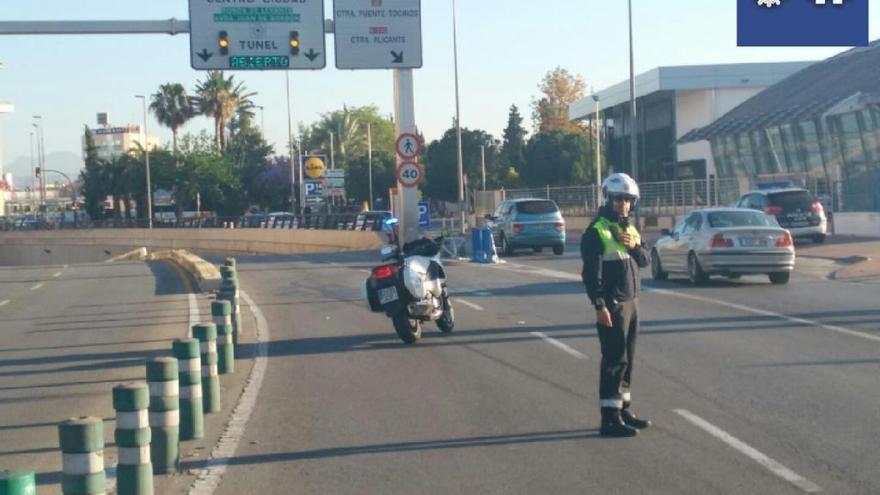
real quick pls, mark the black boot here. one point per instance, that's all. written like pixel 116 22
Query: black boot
pixel 613 426
pixel 632 421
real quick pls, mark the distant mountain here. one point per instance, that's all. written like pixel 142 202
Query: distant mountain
pixel 63 161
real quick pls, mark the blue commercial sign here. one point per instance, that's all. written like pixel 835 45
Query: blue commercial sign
pixel 802 22
pixel 424 214
pixel 314 188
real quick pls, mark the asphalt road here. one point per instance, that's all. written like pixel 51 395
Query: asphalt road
pixel 753 388
pixel 71 333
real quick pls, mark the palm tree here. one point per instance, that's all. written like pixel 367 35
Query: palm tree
pixel 172 107
pixel 222 98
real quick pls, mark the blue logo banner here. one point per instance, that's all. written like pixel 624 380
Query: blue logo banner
pixel 802 22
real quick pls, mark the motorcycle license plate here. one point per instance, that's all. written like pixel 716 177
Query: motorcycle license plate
pixel 387 295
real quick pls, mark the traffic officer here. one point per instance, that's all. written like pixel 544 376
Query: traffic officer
pixel 613 252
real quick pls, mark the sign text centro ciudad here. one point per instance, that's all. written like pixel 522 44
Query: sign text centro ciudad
pixel 378 34
pixel 257 35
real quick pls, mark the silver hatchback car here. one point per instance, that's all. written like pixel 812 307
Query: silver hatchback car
pixel 725 241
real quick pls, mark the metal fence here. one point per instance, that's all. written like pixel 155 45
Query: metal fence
pixel 657 198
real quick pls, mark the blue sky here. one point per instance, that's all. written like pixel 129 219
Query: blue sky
pixel 505 47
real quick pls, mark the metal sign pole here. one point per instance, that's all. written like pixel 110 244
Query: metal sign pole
pixel 404 110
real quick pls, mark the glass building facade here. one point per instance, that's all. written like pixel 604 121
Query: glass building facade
pixel 839 152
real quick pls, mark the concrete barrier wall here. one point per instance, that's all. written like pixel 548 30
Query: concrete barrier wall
pixel 857 224
pixel 82 246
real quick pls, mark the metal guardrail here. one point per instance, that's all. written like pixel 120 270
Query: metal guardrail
pixel 346 221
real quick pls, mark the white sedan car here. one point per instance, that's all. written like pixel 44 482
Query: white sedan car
pixel 724 241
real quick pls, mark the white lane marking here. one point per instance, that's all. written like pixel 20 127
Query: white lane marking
pixel 469 304
pixel 209 478
pixel 748 309
pixel 365 271
pixel 763 312
pixel 194 315
pixel 559 345
pixel 750 452
pixel 56 275
pixel 38 286
pixel 4 302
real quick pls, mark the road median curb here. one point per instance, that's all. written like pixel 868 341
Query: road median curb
pixel 206 274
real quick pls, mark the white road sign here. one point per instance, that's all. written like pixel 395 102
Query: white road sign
pixel 408 146
pixel 410 174
pixel 252 35
pixel 378 34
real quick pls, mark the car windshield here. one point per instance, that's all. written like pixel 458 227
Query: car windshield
pixel 535 207
pixel 722 219
pixel 791 200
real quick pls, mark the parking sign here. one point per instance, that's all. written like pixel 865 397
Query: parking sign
pixel 424 214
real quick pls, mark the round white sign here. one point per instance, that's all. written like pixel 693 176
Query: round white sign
pixel 409 146
pixel 409 174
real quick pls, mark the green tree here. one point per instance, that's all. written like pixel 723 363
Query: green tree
pixel 559 89
pixel 349 128
pixel 357 184
pixel 173 108
pixel 441 163
pixel 222 98
pixel 513 148
pixel 556 158
pixel 93 188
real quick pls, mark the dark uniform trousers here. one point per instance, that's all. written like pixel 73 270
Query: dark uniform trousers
pixel 618 352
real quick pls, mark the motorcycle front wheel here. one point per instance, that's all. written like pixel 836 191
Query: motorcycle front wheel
pixel 407 329
pixel 446 323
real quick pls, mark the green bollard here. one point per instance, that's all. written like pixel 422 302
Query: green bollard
pixel 189 363
pixel 206 333
pixel 134 473
pixel 17 483
pixel 82 453
pixel 164 414
pixel 225 350
pixel 221 312
pixel 230 293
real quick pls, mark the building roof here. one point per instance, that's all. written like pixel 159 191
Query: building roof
pixel 688 78
pixel 834 85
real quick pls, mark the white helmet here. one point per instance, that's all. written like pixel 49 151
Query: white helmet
pixel 620 185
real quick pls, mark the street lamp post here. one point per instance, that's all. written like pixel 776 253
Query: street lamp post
pixel 598 153
pixel 147 165
pixel 633 145
pixel 33 203
pixel 41 157
pixel 262 120
pixel 370 163
pixel 458 121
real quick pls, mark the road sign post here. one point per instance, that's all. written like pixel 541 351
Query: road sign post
pixel 382 34
pixel 231 36
pixel 405 116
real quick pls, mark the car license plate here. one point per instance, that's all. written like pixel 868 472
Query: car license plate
pixel 753 242
pixel 387 295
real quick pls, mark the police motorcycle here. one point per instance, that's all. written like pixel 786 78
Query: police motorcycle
pixel 410 286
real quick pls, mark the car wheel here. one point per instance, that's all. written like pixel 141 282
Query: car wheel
pixel 695 271
pixel 819 238
pixel 559 249
pixel 780 278
pixel 656 268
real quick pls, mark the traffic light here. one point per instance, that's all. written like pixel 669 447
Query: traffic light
pixel 38 173
pixel 223 43
pixel 294 42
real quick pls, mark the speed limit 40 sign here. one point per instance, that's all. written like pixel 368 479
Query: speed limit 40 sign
pixel 410 174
